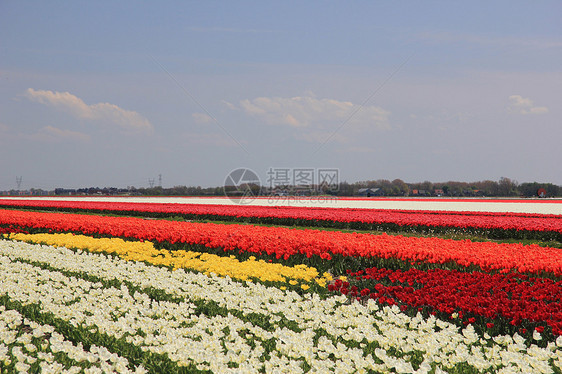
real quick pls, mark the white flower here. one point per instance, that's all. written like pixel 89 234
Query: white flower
pixel 172 329
pixel 22 367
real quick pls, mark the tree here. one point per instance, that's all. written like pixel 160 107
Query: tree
pixel 487 187
pixel 401 186
pixel 507 187
pixel 426 185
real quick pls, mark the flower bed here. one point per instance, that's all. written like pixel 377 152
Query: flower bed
pixel 494 225
pixel 178 321
pixel 514 301
pixel 311 247
pixel 203 262
pixel 125 294
pixel 28 346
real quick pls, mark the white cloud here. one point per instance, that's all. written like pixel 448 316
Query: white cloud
pixel 201 118
pixel 308 112
pixel 54 133
pixel 518 101
pixel 229 105
pixel 126 119
pixel 47 133
pixel 521 105
pixel 536 110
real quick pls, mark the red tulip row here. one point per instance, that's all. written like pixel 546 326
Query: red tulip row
pixel 516 225
pixel 512 297
pixel 286 243
pixel 12 229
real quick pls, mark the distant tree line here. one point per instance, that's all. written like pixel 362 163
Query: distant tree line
pixel 505 187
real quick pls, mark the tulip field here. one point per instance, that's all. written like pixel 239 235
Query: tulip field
pixel 124 286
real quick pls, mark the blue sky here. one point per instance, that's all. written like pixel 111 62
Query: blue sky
pixel 115 93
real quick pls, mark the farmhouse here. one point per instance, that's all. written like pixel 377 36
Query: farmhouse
pixel 368 192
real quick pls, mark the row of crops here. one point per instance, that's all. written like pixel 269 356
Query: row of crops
pixel 119 287
pixel 495 225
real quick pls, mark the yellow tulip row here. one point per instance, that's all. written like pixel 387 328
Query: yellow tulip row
pixel 202 262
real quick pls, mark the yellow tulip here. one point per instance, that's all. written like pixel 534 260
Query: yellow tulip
pixel 202 262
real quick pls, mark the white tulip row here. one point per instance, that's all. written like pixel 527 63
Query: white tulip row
pixel 544 206
pixel 169 327
pixel 25 343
